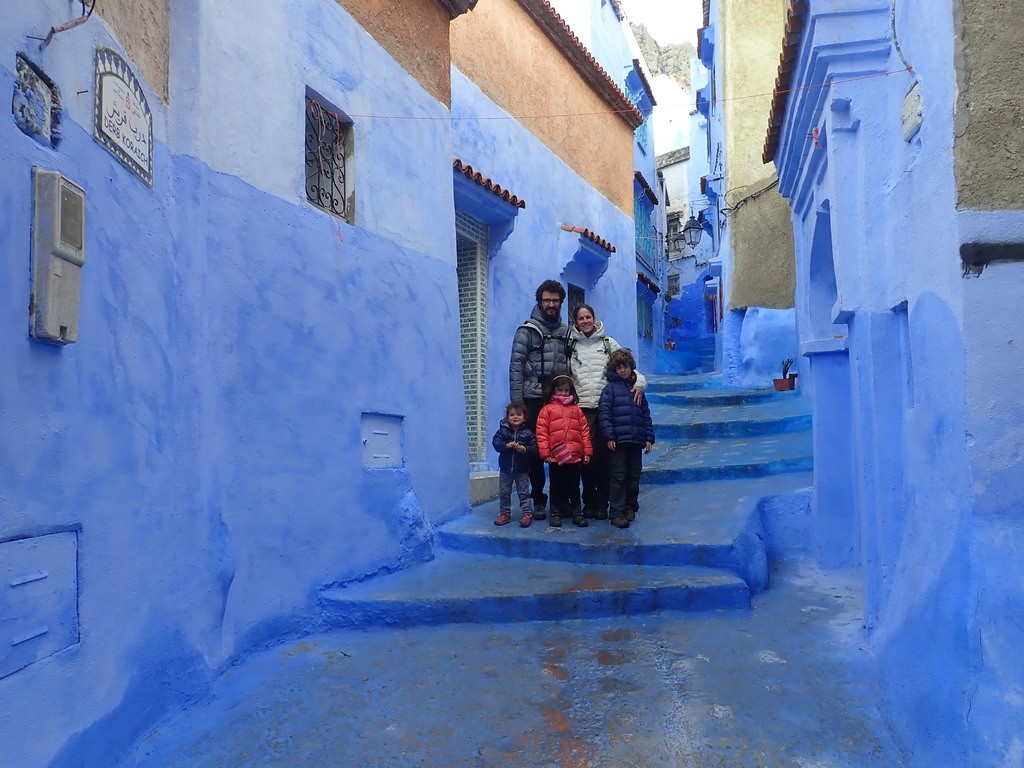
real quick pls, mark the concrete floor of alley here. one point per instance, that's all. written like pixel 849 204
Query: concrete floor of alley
pixel 675 642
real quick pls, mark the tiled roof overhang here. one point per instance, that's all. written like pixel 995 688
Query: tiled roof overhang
pixel 617 7
pixel 487 184
pixel 648 282
pixel 592 236
pixel 456 8
pixel 643 79
pixel 562 36
pixel 787 62
pixel 646 187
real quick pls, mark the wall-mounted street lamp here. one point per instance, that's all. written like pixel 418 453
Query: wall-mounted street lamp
pixel 691 234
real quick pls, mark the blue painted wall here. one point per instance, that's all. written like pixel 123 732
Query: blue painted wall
pixel 911 368
pixel 610 41
pixel 202 439
pixel 537 247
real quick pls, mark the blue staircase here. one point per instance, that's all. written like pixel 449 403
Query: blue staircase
pixel 697 543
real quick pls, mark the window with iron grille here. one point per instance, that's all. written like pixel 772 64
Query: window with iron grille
pixel 471 237
pixel 673 285
pixel 644 319
pixel 330 140
pixel 646 237
pixel 641 133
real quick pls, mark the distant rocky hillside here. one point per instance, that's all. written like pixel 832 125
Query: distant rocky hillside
pixel 672 60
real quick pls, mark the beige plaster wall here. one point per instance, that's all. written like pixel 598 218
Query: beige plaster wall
pixel 989 142
pixel 766 275
pixel 142 27
pixel 501 49
pixel 764 263
pixel 415 33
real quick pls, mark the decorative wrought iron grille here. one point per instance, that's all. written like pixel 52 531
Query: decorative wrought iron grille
pixel 471 237
pixel 641 133
pixel 327 147
pixel 644 319
pixel 646 237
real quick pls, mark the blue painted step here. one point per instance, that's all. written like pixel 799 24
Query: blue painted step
pixel 712 397
pixel 659 383
pixel 680 461
pixel 713 524
pixel 487 589
pixel 777 416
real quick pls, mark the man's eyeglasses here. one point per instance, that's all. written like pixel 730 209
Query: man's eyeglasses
pixel 550 301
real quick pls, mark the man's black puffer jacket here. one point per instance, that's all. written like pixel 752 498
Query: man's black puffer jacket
pixel 537 359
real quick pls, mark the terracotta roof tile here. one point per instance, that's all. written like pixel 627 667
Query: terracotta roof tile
pixel 565 39
pixel 486 183
pixel 646 187
pixel 648 282
pixel 593 236
pixel 787 61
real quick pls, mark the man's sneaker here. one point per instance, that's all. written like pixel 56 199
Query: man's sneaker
pixel 525 520
pixel 620 522
pixel 579 520
pixel 504 518
pixel 601 514
pixel 631 514
pixel 555 521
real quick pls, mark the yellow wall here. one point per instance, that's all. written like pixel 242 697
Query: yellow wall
pixel 415 33
pixel 143 29
pixel 764 264
pixel 990 107
pixel 500 48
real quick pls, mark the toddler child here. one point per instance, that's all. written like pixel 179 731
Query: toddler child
pixel 629 431
pixel 516 446
pixel 563 439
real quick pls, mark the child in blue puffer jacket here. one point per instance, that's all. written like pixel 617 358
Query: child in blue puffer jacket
pixel 517 447
pixel 629 432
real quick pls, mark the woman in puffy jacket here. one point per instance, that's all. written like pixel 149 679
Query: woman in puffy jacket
pixel 591 348
pixel 563 439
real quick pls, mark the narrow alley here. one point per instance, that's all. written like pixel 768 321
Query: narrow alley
pixel 581 648
pixel 278 279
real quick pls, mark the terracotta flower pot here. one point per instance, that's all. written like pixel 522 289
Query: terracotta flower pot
pixel 783 385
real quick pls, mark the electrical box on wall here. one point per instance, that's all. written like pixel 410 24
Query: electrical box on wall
pixel 58 255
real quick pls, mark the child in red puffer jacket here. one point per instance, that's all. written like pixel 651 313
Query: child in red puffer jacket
pixel 563 439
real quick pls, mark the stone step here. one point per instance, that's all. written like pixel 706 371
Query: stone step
pixel 661 383
pixel 719 396
pixel 460 588
pixel 714 524
pixel 682 461
pixel 775 416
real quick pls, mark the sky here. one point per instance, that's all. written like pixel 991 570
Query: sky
pixel 668 21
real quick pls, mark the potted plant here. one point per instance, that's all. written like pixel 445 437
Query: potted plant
pixel 786 382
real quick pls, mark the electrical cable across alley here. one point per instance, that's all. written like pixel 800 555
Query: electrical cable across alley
pixel 646 112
